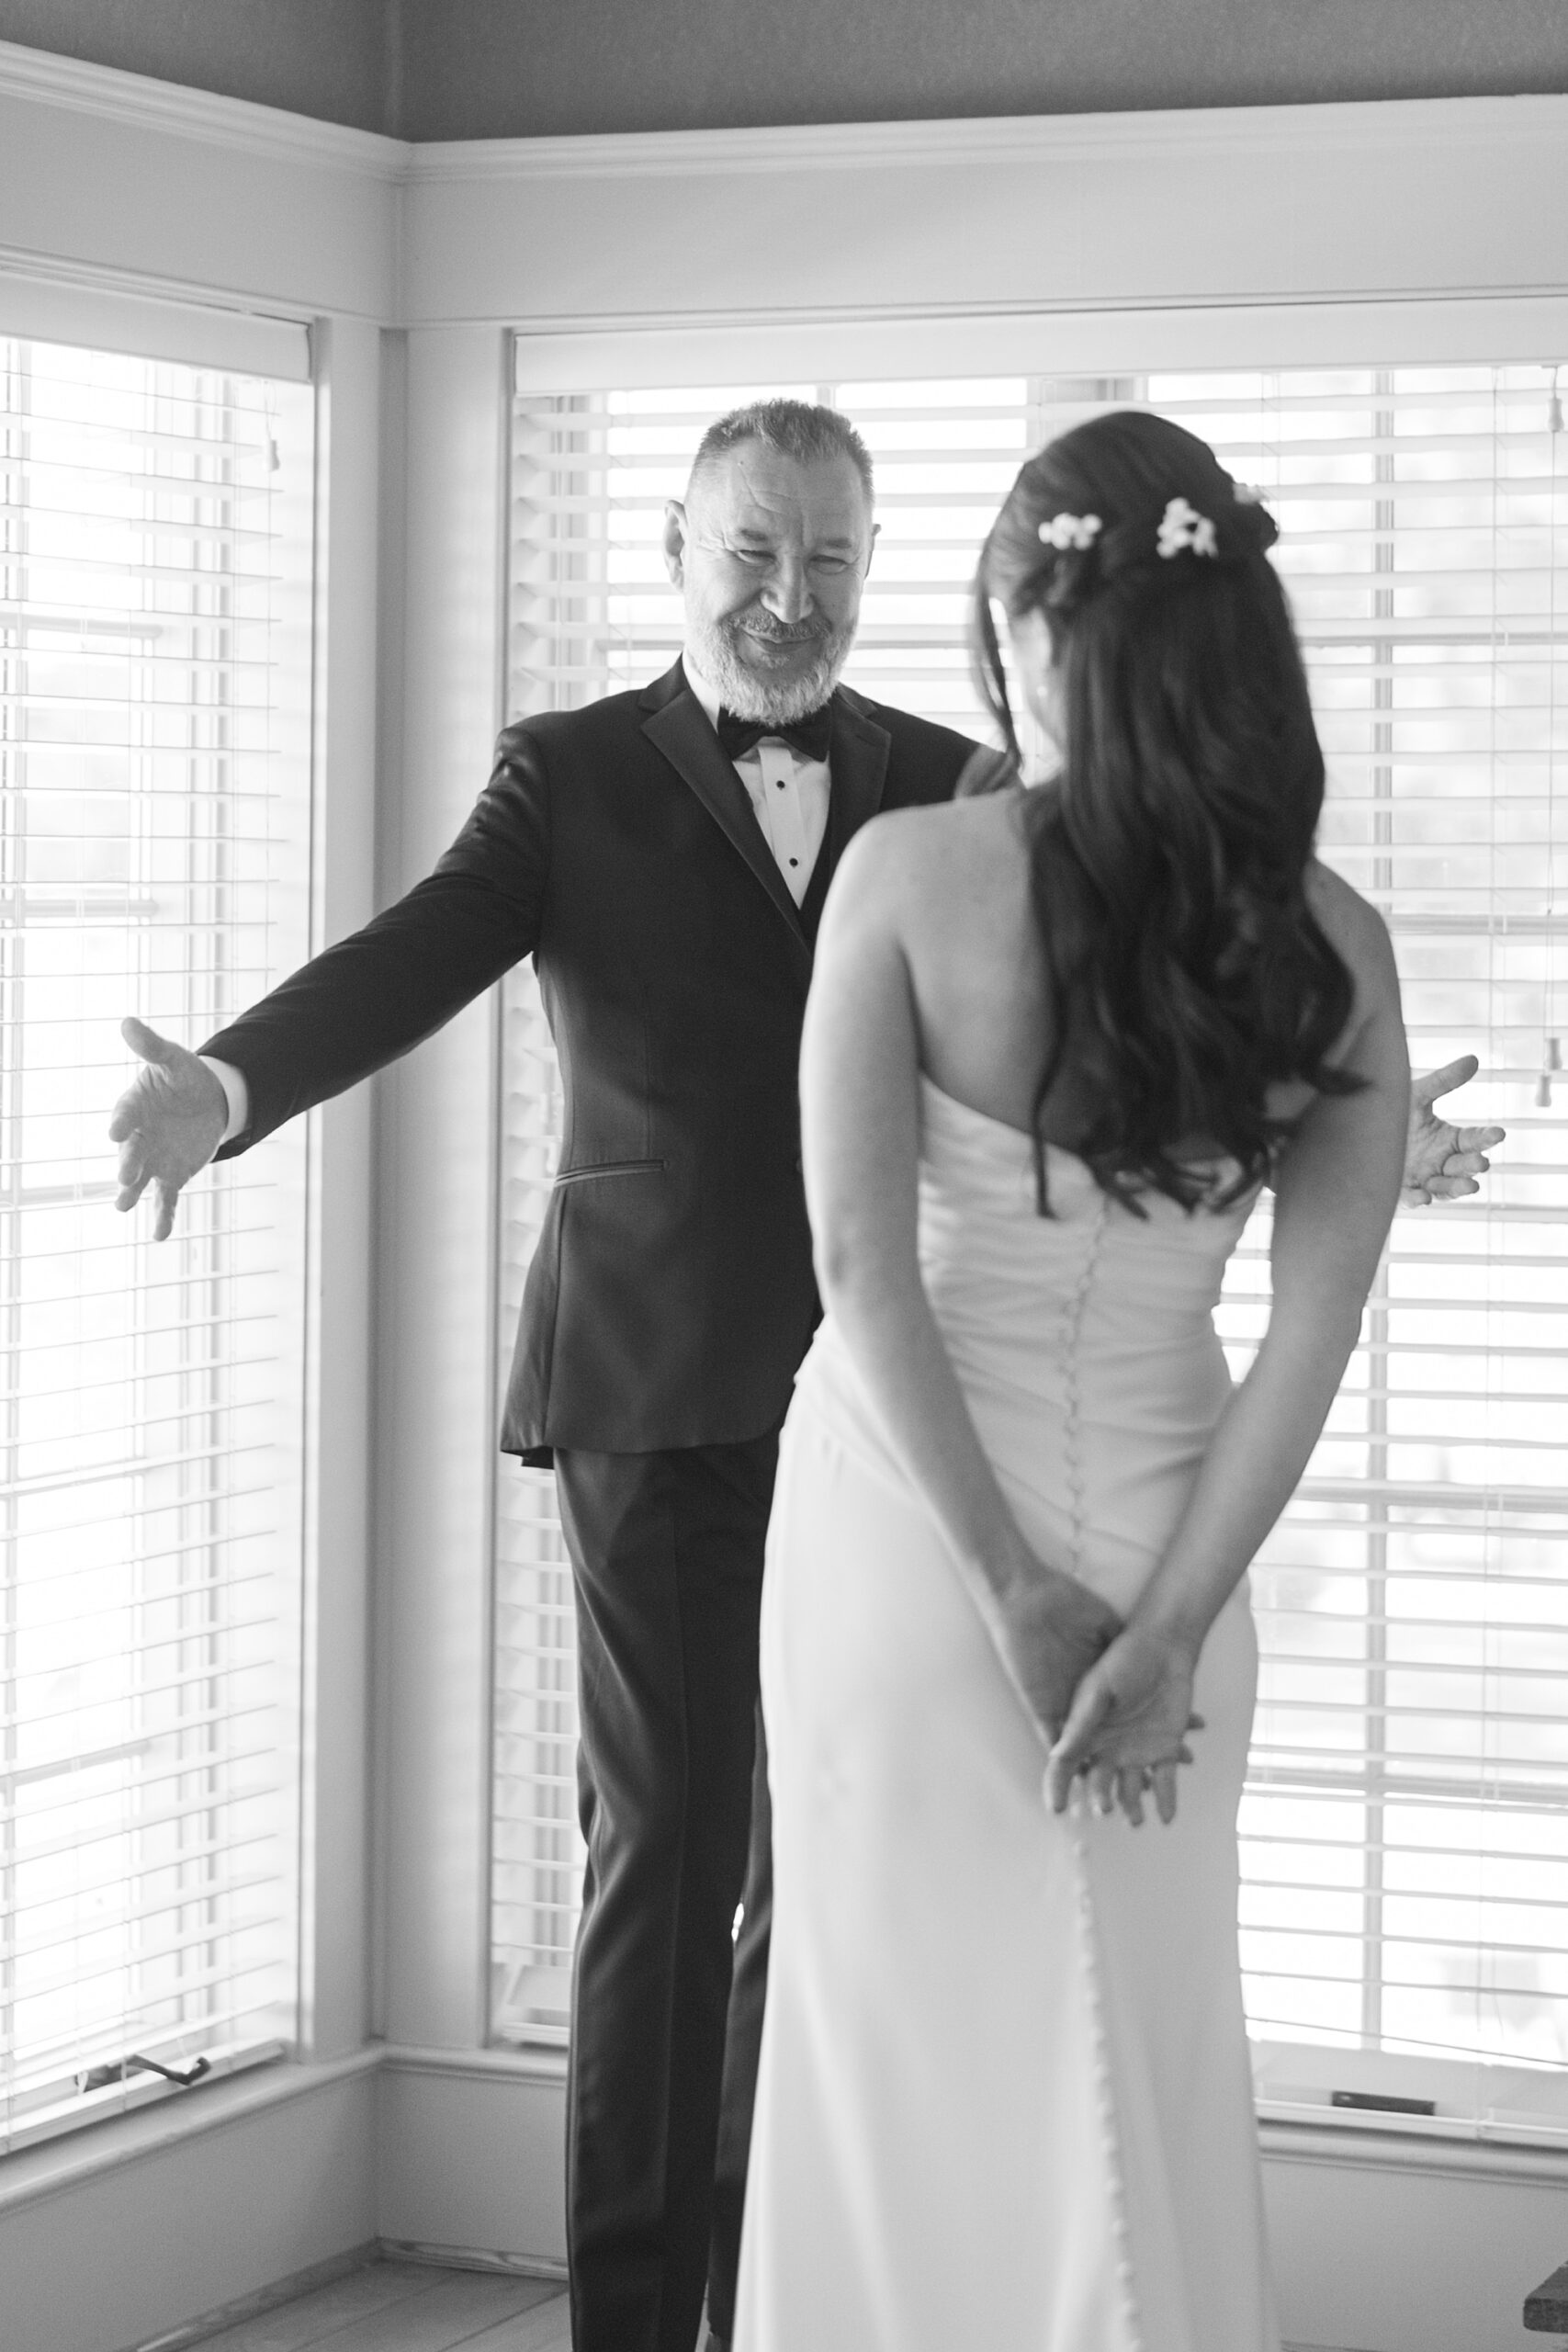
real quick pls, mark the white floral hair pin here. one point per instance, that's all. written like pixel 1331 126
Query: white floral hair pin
pixel 1182 527
pixel 1064 531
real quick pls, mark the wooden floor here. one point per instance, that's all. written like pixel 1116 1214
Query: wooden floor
pixel 410 2307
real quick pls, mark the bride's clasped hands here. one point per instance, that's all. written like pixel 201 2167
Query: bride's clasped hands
pixel 1111 1699
pixel 1126 1729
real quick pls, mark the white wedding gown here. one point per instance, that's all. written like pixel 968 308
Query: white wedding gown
pixel 1005 2103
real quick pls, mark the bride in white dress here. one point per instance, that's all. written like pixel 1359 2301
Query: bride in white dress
pixel 1055 1042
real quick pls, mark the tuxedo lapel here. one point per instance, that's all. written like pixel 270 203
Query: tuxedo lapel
pixel 857 767
pixel 678 728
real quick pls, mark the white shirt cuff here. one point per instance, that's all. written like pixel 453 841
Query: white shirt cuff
pixel 232 1082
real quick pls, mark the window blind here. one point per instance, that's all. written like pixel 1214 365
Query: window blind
pixel 155 535
pixel 1405 1848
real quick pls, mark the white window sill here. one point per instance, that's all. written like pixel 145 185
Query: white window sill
pixel 1496 2129
pixel 168 2116
pixel 82 2108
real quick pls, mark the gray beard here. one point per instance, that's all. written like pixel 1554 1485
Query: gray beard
pixel 748 695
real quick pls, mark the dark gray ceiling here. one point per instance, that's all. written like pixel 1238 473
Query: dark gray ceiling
pixel 487 69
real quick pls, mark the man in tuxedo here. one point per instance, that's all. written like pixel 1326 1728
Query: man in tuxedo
pixel 663 855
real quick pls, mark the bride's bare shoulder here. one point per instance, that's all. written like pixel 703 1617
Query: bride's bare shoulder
pixel 945 849
pixel 1352 924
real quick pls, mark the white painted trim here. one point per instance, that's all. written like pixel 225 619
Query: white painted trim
pixel 115 180
pixel 84 308
pixel 967 143
pixel 1407 2153
pixel 237 124
pixel 436 1287
pixel 34 2174
pixel 646 349
pixel 1258 207
pixel 534 2064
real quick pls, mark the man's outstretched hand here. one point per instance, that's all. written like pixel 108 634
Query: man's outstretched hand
pixel 167 1125
pixel 1443 1162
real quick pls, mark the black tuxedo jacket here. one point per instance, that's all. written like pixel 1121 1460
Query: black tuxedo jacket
pixel 672 1297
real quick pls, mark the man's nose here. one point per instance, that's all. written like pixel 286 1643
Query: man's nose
pixel 787 595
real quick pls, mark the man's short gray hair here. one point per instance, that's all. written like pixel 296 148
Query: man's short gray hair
pixel 795 428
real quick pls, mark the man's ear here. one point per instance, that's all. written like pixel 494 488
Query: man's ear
pixel 674 538
pixel 871 544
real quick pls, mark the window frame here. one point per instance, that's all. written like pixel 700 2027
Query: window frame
pixel 38 312
pixel 1100 345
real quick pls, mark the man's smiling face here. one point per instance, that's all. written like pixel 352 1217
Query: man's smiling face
pixel 771 555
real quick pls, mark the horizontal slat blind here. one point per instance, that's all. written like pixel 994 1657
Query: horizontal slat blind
pixel 155 534
pixel 1409 1769
pixel 1404 1839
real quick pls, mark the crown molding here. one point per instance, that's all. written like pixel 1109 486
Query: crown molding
pixel 139 102
pixel 238 124
pixel 990 140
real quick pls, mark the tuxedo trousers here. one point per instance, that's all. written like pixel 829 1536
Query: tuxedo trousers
pixel 667 2001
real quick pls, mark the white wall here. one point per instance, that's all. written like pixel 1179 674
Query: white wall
pixel 1099 245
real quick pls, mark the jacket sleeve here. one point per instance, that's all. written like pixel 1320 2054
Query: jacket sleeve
pixel 360 1004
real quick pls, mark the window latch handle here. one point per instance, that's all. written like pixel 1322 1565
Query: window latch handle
pixel 97 2078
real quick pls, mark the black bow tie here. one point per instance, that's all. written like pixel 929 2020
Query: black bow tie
pixel 808 736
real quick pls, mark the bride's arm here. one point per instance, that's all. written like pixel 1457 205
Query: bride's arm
pixel 1336 1188
pixel 860 1111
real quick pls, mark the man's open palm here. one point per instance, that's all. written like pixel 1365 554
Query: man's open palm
pixel 1442 1160
pixel 167 1125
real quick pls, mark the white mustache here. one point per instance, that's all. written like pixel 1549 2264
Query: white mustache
pixel 781 633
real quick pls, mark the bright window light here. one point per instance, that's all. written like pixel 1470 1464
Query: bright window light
pixel 155 537
pixel 1405 1834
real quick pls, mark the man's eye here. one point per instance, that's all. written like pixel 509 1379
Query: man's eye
pixel 832 563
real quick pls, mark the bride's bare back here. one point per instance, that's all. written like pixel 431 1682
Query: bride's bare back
pixel 972 944
pixel 976 968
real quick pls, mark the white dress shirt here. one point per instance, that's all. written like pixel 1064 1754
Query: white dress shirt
pixel 789 792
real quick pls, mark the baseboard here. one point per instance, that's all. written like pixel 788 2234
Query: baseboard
pixel 472 2258
pixel 265 2299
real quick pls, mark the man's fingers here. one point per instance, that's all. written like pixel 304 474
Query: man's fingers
pixel 1165 1792
pixel 128 1112
pixel 168 1195
pixel 1477 1140
pixel 147 1042
pixel 1426 1088
pixel 131 1174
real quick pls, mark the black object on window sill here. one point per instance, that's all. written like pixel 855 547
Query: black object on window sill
pixel 97 2078
pixel 1379 2103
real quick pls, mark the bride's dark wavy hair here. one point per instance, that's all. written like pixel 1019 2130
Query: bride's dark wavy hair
pixel 1168 860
